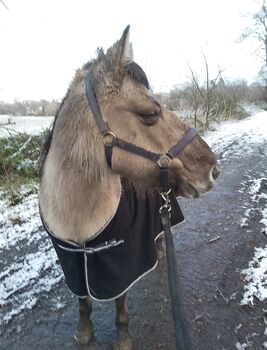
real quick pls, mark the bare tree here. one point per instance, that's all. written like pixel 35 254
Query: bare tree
pixel 197 93
pixel 2 2
pixel 258 30
pixel 203 95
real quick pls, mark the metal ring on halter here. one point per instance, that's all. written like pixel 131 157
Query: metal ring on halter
pixel 164 161
pixel 109 138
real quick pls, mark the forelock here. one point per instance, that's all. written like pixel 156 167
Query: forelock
pixel 136 73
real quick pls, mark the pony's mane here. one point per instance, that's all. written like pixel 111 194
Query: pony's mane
pixel 48 140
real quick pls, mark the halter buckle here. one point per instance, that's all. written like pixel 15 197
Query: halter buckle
pixel 109 138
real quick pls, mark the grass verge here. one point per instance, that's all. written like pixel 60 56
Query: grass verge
pixel 19 165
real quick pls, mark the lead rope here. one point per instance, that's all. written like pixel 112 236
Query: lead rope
pixel 179 321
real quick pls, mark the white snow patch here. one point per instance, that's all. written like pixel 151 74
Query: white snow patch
pixel 28 277
pixel 256 278
pixel 24 273
pixel 245 220
pixel 256 273
pixel 255 187
pixel 19 222
pixel 234 138
pixel 240 346
pixel 264 217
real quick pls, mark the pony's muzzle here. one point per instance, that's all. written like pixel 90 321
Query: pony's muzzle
pixel 215 172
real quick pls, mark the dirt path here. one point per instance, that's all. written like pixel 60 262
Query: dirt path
pixel 214 245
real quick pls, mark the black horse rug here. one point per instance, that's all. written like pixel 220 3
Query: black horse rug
pixel 108 264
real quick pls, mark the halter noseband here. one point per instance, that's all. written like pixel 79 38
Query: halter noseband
pixel 110 140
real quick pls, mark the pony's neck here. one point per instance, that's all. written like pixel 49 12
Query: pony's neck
pixel 75 209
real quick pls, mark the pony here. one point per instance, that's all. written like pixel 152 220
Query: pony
pixel 99 201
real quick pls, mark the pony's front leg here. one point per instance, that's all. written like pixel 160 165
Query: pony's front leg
pixel 124 340
pixel 159 247
pixel 84 330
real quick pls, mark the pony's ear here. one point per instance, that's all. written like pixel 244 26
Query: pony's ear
pixel 125 50
pixel 110 68
pixel 120 54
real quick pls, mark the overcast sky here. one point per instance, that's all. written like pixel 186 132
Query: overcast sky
pixel 42 42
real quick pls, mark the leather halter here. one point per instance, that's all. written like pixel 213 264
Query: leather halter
pixel 110 140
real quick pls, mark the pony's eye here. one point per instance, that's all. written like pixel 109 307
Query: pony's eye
pixel 151 115
pixel 149 118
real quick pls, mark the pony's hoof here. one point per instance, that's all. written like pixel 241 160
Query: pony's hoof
pixel 84 337
pixel 123 342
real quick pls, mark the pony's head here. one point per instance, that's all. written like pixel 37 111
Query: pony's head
pixel 132 113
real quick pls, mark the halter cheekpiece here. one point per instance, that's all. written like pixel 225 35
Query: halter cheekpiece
pixel 110 140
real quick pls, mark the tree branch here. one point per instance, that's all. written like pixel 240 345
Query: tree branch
pixel 4 4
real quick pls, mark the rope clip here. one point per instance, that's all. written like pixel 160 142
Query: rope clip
pixel 166 205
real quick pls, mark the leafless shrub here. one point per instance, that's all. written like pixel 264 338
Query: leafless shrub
pixel 30 108
pixel 224 100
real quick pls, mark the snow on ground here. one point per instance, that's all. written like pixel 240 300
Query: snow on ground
pixel 230 141
pixel 255 275
pixel 27 278
pixel 255 187
pixel 234 138
pixel 30 125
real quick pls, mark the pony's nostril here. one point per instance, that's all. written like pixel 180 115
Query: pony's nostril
pixel 215 172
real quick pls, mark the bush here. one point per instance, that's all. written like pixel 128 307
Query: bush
pixel 222 100
pixel 19 156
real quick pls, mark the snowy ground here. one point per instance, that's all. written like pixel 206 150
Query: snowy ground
pixel 23 282
pixel 26 279
pixel 247 133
